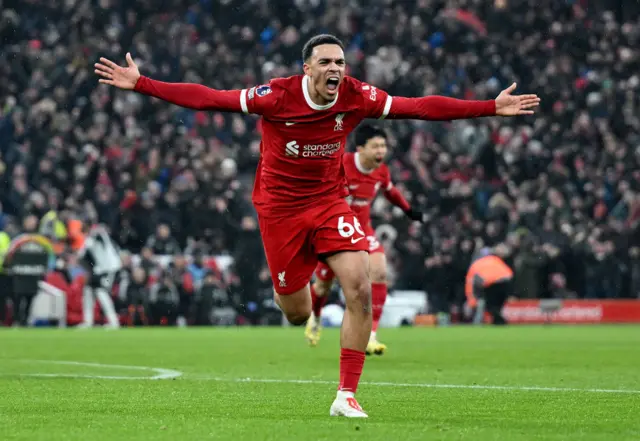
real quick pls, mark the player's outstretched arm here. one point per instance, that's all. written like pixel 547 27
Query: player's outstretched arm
pixel 394 196
pixel 440 108
pixel 192 96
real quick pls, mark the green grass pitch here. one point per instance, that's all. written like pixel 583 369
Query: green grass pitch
pixel 460 383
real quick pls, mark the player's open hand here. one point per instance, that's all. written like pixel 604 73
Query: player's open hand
pixel 514 105
pixel 114 75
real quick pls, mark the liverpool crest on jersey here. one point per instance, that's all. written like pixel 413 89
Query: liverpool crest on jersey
pixel 339 126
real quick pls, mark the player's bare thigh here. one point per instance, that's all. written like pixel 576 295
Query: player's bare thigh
pixel 296 306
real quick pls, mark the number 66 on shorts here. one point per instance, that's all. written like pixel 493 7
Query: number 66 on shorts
pixel 347 230
pixel 293 247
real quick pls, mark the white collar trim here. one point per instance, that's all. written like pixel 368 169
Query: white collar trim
pixel 359 166
pixel 307 98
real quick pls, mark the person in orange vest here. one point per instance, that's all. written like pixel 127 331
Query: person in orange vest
pixel 76 235
pixel 488 285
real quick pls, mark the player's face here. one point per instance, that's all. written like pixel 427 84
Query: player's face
pixel 375 151
pixel 326 70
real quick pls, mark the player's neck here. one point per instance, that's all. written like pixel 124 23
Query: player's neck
pixel 362 166
pixel 313 97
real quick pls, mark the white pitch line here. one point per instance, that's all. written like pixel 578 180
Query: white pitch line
pixel 160 373
pixel 168 374
pixel 418 385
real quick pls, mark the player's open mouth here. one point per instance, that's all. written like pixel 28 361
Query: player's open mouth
pixel 333 83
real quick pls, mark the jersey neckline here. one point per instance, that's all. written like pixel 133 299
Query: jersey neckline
pixel 307 97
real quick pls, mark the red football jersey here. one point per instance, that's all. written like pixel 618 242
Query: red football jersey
pixel 364 185
pixel 303 143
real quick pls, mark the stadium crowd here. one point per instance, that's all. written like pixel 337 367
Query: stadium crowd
pixel 557 194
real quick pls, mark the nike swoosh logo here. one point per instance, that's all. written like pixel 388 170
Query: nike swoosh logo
pixel 289 123
pixel 353 240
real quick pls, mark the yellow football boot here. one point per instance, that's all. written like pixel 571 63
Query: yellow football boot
pixel 313 330
pixel 375 347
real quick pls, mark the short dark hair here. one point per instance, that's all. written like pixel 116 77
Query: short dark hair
pixel 318 40
pixel 367 131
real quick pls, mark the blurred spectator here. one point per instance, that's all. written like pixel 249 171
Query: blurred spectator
pixel 213 305
pixel 162 243
pixel 137 297
pixel 164 301
pixel 184 283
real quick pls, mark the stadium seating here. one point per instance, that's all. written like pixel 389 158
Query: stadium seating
pixel 556 194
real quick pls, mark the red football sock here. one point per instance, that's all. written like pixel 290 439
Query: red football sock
pixel 378 297
pixel 317 303
pixel 351 363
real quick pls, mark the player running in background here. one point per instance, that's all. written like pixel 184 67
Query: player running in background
pixel 299 190
pixel 366 173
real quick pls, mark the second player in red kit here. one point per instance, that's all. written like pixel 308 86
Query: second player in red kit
pixel 367 175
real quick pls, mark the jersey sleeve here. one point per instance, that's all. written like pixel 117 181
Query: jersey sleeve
pixel 387 184
pixel 261 100
pixel 438 108
pixel 392 194
pixel 376 102
pixel 191 96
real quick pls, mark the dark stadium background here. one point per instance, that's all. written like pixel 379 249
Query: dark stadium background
pixel 557 194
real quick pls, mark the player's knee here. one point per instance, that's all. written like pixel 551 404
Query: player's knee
pixel 378 275
pixel 358 295
pixel 296 307
pixel 298 318
pixel 377 268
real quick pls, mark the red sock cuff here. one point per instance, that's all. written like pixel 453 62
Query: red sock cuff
pixel 346 352
pixel 351 364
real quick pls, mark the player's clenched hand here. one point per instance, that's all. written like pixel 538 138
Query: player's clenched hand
pixel 513 105
pixel 114 75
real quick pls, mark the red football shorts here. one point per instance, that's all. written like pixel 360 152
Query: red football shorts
pixel 324 273
pixel 292 244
